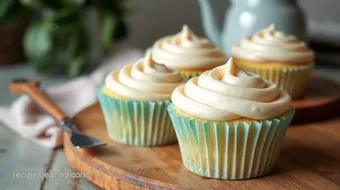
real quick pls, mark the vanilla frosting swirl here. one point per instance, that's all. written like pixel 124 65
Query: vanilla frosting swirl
pixel 226 93
pixel 272 45
pixel 145 80
pixel 185 50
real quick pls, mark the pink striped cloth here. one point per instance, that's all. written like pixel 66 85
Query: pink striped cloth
pixel 24 117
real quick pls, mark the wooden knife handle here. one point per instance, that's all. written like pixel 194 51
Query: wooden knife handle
pixel 31 87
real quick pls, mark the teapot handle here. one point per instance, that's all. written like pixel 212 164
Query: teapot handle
pixel 211 27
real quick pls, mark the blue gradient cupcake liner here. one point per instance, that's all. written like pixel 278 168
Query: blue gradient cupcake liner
pixel 230 150
pixel 143 123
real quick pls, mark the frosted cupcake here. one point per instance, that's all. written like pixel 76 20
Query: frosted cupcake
pixel 134 102
pixel 187 53
pixel 277 57
pixel 229 123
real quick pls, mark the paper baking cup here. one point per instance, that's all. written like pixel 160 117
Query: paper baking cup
pixel 143 123
pixel 230 150
pixel 292 79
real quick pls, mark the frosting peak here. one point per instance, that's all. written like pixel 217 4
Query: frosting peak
pixel 235 76
pixel 186 50
pixel 145 80
pixel 272 45
pixel 187 33
pixel 187 36
pixel 227 92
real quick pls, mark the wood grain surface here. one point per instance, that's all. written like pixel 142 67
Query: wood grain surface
pixel 321 101
pixel 310 159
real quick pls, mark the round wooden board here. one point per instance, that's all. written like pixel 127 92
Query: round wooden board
pixel 321 101
pixel 310 159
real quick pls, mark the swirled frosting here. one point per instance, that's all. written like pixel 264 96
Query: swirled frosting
pixel 272 45
pixel 185 50
pixel 226 93
pixel 145 80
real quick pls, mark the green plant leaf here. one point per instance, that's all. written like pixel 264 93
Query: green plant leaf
pixel 76 64
pixel 54 4
pixel 76 50
pixel 38 42
pixel 70 11
pixel 5 6
pixel 47 63
pixel 32 4
pixel 61 16
pixel 108 27
pixel 75 61
pixel 65 16
pixel 121 31
pixel 14 14
pixel 73 3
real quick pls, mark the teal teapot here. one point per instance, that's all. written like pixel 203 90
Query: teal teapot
pixel 246 17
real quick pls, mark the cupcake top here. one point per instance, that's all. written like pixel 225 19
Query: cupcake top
pixel 185 50
pixel 145 80
pixel 227 92
pixel 272 45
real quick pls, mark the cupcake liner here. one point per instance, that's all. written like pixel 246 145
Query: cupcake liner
pixel 230 150
pixel 292 79
pixel 143 123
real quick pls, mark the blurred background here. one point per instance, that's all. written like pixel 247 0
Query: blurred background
pixel 70 37
pixel 323 19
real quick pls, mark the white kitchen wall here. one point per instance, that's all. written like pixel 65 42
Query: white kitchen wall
pixel 157 18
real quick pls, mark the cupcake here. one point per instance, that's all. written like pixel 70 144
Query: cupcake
pixel 134 102
pixel 187 53
pixel 277 57
pixel 230 123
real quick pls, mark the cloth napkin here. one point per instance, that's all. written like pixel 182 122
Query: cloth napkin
pixel 26 118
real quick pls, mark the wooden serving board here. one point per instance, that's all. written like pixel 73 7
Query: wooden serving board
pixel 321 101
pixel 310 159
